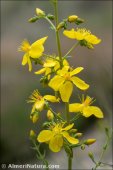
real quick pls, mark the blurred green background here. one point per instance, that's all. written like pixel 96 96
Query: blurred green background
pixel 17 83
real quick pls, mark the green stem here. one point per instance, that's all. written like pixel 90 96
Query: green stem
pixel 76 117
pixel 43 160
pixel 69 163
pixel 67 112
pixel 56 115
pixel 103 151
pixel 57 33
pixel 50 23
pixel 72 48
pixel 49 56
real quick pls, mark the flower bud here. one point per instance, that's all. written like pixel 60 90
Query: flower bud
pixel 50 16
pixel 40 12
pixel 32 134
pixel 61 25
pixel 79 21
pixel 34 117
pixel 73 130
pixel 34 19
pixel 90 141
pixel 82 146
pixel 50 115
pixel 90 154
pixel 72 18
pixel 77 135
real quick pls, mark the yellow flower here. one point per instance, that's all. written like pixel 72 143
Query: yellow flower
pixel 63 82
pixel 40 101
pixel 56 135
pixel 48 65
pixel 34 50
pixel 85 108
pixel 51 64
pixel 84 36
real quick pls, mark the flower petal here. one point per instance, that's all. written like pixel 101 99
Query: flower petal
pixel 76 71
pixel 89 110
pixel 68 127
pixel 92 39
pixel 37 48
pixel 70 34
pixel 36 51
pixel 63 71
pixel 50 63
pixel 75 107
pixel 25 59
pixel 66 91
pixel 56 143
pixel 56 82
pixel 39 105
pixel 29 64
pixel 41 71
pixel 48 71
pixel 79 36
pixel 79 83
pixel 70 139
pixel 40 41
pixel 51 98
pixel 44 136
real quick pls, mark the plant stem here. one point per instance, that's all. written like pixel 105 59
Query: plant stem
pixel 43 160
pixel 57 33
pixel 101 156
pixel 61 65
pixel 50 23
pixel 76 117
pixel 69 163
pixel 72 48
pixel 67 112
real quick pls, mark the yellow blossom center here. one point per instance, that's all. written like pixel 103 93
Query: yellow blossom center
pixel 87 102
pixel 39 97
pixel 57 130
pixel 67 76
pixel 25 46
pixel 83 31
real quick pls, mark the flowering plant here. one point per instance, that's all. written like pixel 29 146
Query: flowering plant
pixel 57 73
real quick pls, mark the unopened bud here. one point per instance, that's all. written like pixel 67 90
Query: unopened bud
pixel 77 135
pixel 40 12
pixel 90 141
pixel 82 146
pixel 73 130
pixel 62 24
pixel 50 115
pixel 34 117
pixel 72 18
pixel 32 134
pixel 50 16
pixel 79 21
pixel 34 19
pixel 90 154
pixel 46 124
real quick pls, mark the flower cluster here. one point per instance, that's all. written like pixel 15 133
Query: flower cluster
pixel 62 78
